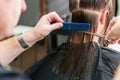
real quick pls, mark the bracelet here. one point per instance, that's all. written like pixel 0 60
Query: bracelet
pixel 21 41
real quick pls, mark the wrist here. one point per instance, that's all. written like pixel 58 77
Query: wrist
pixel 30 38
pixel 22 42
pixel 37 35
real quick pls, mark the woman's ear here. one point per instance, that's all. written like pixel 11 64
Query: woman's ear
pixel 103 16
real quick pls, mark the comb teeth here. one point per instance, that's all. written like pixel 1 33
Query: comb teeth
pixel 75 26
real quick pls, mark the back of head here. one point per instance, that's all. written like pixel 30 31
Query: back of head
pixel 90 4
pixel 89 11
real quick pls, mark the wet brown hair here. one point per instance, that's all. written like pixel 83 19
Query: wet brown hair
pixel 76 59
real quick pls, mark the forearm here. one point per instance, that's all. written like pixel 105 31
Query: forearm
pixel 10 48
pixel 117 74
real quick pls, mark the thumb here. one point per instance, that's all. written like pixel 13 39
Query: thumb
pixel 56 26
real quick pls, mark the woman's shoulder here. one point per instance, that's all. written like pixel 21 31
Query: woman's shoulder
pixel 109 52
pixel 107 60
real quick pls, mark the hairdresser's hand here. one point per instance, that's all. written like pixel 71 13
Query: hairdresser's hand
pixel 113 31
pixel 43 28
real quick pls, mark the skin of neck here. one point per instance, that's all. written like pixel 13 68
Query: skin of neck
pixel 99 31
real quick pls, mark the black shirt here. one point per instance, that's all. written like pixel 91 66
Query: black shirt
pixel 106 62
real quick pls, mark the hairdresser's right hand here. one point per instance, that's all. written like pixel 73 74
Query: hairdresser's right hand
pixel 43 28
pixel 113 31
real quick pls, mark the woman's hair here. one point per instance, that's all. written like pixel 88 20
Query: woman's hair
pixel 76 59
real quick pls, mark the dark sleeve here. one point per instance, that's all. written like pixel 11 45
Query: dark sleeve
pixel 11 75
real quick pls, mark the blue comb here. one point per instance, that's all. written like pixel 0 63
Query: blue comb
pixel 75 26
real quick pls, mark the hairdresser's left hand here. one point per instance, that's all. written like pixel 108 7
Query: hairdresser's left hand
pixel 113 31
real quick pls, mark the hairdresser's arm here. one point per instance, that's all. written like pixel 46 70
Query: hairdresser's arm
pixel 113 31
pixel 10 48
pixel 117 74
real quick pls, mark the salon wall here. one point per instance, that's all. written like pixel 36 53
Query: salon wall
pixel 31 16
pixel 118 10
pixel 61 7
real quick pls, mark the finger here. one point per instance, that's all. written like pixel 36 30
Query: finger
pixel 113 33
pixel 113 41
pixel 56 26
pixel 118 41
pixel 112 22
pixel 53 16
